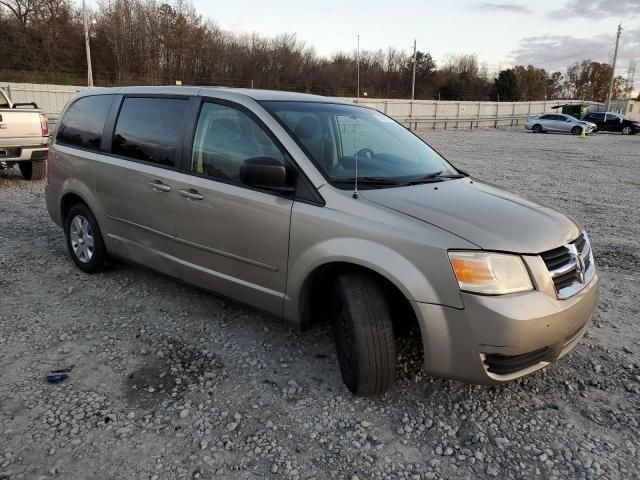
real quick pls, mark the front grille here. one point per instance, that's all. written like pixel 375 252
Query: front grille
pixel 571 266
pixel 506 364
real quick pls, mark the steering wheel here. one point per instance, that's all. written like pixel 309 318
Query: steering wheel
pixel 366 151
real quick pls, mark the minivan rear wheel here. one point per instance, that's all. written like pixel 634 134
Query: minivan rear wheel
pixel 84 240
pixel 33 170
pixel 364 334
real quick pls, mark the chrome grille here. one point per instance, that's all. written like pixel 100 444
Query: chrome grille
pixel 571 266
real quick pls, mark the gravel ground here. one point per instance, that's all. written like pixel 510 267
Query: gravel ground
pixel 170 382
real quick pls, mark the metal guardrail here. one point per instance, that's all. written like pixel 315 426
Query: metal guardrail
pixel 493 121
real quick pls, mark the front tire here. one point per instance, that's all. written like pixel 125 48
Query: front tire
pixel 537 129
pixel 364 334
pixel 84 240
pixel 626 131
pixel 33 170
pixel 576 131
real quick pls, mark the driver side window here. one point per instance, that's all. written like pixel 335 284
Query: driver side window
pixel 225 138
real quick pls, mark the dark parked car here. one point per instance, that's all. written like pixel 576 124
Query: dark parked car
pixel 613 122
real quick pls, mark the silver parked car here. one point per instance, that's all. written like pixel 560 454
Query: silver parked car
pixel 559 122
pixel 313 210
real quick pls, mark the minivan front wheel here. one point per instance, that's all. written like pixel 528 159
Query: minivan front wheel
pixel 84 240
pixel 364 334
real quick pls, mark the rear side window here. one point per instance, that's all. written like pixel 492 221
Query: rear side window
pixel 547 117
pixel 149 129
pixel 4 103
pixel 83 123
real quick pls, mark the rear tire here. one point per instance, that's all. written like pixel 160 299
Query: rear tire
pixel 364 334
pixel 576 131
pixel 84 240
pixel 537 129
pixel 33 170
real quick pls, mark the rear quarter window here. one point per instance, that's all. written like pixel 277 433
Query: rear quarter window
pixel 4 103
pixel 83 123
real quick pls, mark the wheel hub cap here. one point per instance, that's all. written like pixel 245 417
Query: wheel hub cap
pixel 82 242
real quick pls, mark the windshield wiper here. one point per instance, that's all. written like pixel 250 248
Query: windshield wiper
pixel 435 177
pixel 368 181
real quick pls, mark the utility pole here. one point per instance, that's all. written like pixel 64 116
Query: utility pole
pixel 86 44
pixel 358 69
pixel 613 69
pixel 631 74
pixel 413 77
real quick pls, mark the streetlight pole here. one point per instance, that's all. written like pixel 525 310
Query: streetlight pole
pixel 86 44
pixel 613 69
pixel 413 77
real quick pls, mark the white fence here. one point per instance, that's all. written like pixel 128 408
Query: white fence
pixel 50 98
pixel 416 114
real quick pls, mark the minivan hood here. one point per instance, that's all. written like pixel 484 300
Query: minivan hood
pixel 481 213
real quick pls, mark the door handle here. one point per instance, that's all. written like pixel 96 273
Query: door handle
pixel 191 194
pixel 158 186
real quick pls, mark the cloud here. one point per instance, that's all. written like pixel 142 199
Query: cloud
pixel 501 7
pixel 556 52
pixel 623 9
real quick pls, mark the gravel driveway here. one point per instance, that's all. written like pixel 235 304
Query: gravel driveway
pixel 170 382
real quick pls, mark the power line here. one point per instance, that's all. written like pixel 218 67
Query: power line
pixel 577 54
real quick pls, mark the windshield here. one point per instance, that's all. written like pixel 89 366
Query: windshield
pixel 334 135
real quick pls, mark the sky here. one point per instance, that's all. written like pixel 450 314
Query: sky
pixel 547 33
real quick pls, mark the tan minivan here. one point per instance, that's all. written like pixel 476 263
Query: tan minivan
pixel 312 209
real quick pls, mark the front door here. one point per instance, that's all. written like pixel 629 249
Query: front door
pixel 614 123
pixel 231 238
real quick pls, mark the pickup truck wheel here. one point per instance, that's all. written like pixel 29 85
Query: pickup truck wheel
pixel 364 334
pixel 84 240
pixel 33 170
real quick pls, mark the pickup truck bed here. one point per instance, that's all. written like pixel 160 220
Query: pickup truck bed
pixel 24 135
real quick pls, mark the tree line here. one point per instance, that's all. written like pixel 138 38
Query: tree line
pixel 147 42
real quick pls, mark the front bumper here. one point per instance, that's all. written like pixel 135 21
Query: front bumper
pixel 495 339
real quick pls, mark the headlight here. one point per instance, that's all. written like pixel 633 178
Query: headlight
pixel 490 273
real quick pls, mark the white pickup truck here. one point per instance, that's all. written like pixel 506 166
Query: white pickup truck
pixel 24 137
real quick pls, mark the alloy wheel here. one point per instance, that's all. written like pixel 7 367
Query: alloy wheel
pixel 82 241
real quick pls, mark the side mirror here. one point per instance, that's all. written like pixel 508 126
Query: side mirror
pixel 265 172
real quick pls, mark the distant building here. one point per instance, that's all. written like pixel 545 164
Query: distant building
pixel 628 108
